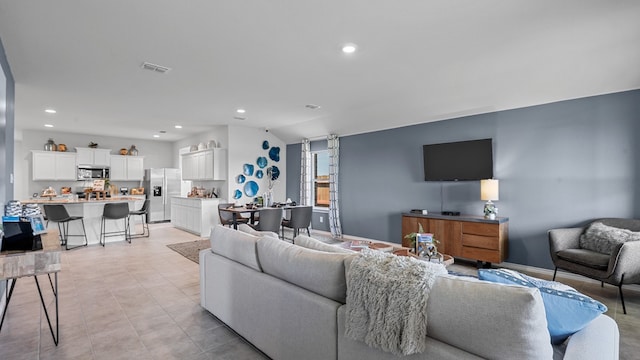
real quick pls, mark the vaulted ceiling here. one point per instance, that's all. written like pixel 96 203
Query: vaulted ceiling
pixel 416 61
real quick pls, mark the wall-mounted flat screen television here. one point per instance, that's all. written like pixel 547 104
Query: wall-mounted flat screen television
pixel 458 161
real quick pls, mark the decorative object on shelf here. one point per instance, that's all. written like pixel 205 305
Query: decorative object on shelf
pixel 50 145
pixel 62 147
pixel 212 144
pixel 124 151
pixel 65 190
pixel 489 190
pixel 49 192
pixel 202 146
pixel 93 145
pixel 133 151
pixel 193 148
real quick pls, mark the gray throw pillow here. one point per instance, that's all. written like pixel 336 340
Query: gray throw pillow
pixel 604 239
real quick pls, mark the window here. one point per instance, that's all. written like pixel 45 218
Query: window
pixel 320 179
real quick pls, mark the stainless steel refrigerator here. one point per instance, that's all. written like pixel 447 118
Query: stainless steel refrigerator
pixel 161 185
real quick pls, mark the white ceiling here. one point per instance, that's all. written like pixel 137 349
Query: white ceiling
pixel 418 61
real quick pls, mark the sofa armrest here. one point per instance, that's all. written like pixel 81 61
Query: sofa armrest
pixel 627 262
pixel 562 239
pixel 598 341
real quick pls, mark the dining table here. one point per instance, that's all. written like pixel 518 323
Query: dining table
pixel 236 212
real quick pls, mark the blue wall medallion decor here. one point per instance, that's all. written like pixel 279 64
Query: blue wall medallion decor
pixel 251 188
pixel 273 172
pixel 274 153
pixel 261 162
pixel 247 169
pixel 237 194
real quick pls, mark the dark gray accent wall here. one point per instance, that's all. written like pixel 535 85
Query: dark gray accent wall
pixel 559 164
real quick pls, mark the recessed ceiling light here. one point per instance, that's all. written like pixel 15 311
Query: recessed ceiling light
pixel 178 126
pixel 156 136
pixel 241 111
pixel 50 111
pixel 48 125
pixel 349 48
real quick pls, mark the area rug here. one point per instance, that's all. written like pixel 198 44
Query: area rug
pixel 191 249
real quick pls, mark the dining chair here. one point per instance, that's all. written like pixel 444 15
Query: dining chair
pixel 226 217
pixel 60 215
pixel 270 219
pixel 300 219
pixel 115 211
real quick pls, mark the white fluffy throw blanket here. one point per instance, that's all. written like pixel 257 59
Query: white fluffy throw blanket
pixel 387 301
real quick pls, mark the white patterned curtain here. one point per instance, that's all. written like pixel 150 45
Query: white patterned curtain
pixel 333 146
pixel 305 173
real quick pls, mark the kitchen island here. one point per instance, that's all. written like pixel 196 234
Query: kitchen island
pixel 91 210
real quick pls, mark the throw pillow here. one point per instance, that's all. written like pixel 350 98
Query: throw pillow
pixel 311 243
pixel 604 239
pixel 249 230
pixel 567 310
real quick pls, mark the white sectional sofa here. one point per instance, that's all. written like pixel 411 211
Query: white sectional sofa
pixel 289 302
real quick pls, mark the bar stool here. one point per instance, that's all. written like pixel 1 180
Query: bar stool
pixel 143 211
pixel 115 211
pixel 59 215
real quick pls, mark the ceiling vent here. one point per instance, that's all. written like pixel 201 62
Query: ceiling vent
pixel 312 106
pixel 239 118
pixel 154 67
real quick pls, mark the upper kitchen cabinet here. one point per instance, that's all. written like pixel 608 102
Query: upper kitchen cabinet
pixel 98 157
pixel 51 165
pixel 124 167
pixel 210 164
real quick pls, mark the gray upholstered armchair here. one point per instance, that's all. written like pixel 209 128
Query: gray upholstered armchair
pixel 621 266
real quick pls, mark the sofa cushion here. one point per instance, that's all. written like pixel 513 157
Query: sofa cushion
pixel 493 321
pixel 235 245
pixel 567 310
pixel 311 243
pixel 586 257
pixel 317 271
pixel 604 239
pixel 249 230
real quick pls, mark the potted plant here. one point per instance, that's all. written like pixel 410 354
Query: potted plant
pixel 430 251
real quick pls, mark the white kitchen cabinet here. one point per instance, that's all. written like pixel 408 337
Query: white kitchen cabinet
pixel 210 164
pixel 195 215
pixel 51 165
pixel 94 157
pixel 127 167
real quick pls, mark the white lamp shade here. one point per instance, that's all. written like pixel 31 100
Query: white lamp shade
pixel 489 189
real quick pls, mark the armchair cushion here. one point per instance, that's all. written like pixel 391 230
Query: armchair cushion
pixel 604 239
pixel 567 310
pixel 585 257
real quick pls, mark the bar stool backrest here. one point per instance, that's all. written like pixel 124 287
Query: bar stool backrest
pixel 56 213
pixel 116 210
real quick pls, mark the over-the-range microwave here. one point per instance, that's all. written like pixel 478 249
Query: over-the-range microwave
pixel 90 173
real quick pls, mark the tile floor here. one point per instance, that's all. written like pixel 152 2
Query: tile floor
pixel 141 301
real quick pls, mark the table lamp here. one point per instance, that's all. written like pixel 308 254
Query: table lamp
pixel 489 191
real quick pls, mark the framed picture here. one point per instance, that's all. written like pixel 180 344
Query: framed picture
pixel 98 185
pixel 37 224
